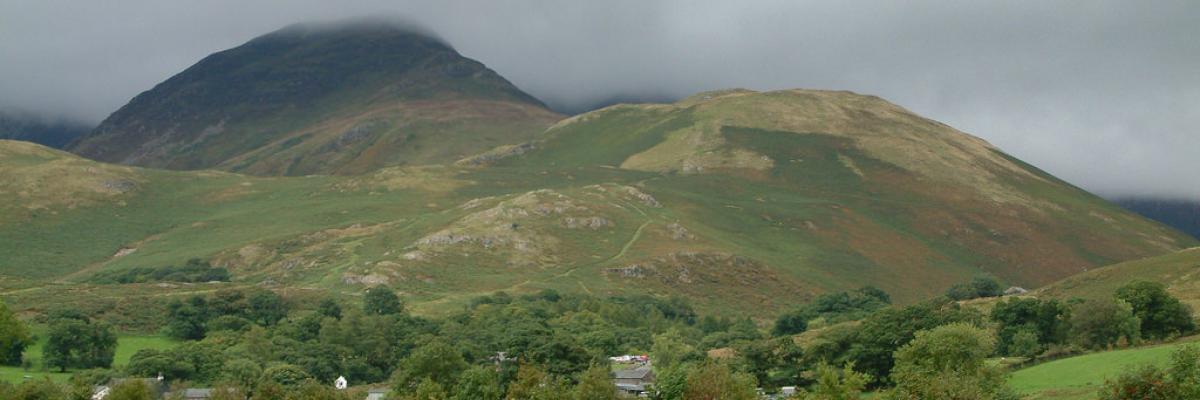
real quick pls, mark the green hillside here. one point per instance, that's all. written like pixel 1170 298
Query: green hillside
pixel 340 98
pixel 745 202
pixel 1176 270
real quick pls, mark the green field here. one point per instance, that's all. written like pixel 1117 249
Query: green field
pixel 127 346
pixel 1081 377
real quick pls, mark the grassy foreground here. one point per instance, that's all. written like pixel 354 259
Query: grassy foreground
pixel 127 345
pixel 1082 377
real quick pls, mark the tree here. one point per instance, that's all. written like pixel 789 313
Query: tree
pixel 875 342
pixel 14 337
pixel 670 349
pixel 330 308
pixel 947 362
pixel 532 383
pixel 187 320
pixel 428 389
pixel 266 307
pixel 595 384
pixel 381 300
pixel 791 323
pixel 1047 319
pixel 981 286
pixel 670 382
pixel 436 361
pixel 833 384
pixel 714 381
pixel 242 372
pixel 1024 343
pixel 77 342
pixel 1097 324
pixel 286 376
pixel 478 383
pixel 1161 314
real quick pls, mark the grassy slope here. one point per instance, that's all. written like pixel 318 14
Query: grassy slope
pixel 1082 377
pixel 1176 270
pixel 759 201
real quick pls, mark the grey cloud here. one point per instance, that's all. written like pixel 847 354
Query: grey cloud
pixel 1104 94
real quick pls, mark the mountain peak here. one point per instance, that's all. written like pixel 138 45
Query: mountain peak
pixel 329 97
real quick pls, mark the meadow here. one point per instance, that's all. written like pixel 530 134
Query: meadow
pixel 1081 377
pixel 127 346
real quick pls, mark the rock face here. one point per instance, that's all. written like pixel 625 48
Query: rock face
pixel 313 98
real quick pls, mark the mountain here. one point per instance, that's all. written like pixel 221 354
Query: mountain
pixel 745 202
pixel 55 133
pixel 342 98
pixel 1183 215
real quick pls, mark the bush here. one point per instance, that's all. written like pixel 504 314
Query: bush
pixel 978 287
pixel 947 362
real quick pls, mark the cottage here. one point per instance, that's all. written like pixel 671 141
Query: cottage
pixel 633 381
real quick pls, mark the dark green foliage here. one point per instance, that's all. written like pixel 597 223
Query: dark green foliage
pixel 1161 314
pixel 1046 319
pixel 478 383
pixel 14 337
pixel 595 384
pixel 285 375
pixel 78 342
pixel 330 308
pixel 981 286
pixel 197 362
pixel 880 335
pixel 191 319
pixel 1104 323
pixel 195 270
pixel 381 300
pixel 833 308
pixel 436 361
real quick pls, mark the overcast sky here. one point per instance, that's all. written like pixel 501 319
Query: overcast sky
pixel 1105 94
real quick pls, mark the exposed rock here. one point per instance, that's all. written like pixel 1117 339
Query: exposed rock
pixel 587 222
pixel 645 198
pixel 496 154
pixel 124 251
pixel 678 232
pixel 119 185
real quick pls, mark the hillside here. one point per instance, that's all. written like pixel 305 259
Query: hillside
pixel 1176 270
pixel 342 98
pixel 1183 215
pixel 745 202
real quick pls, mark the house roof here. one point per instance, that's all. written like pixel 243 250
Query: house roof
pixel 635 373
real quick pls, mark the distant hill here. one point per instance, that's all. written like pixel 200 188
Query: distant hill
pixel 54 133
pixel 745 202
pixel 342 98
pixel 1183 215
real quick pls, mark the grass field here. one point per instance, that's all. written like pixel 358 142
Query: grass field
pixel 127 346
pixel 1081 377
